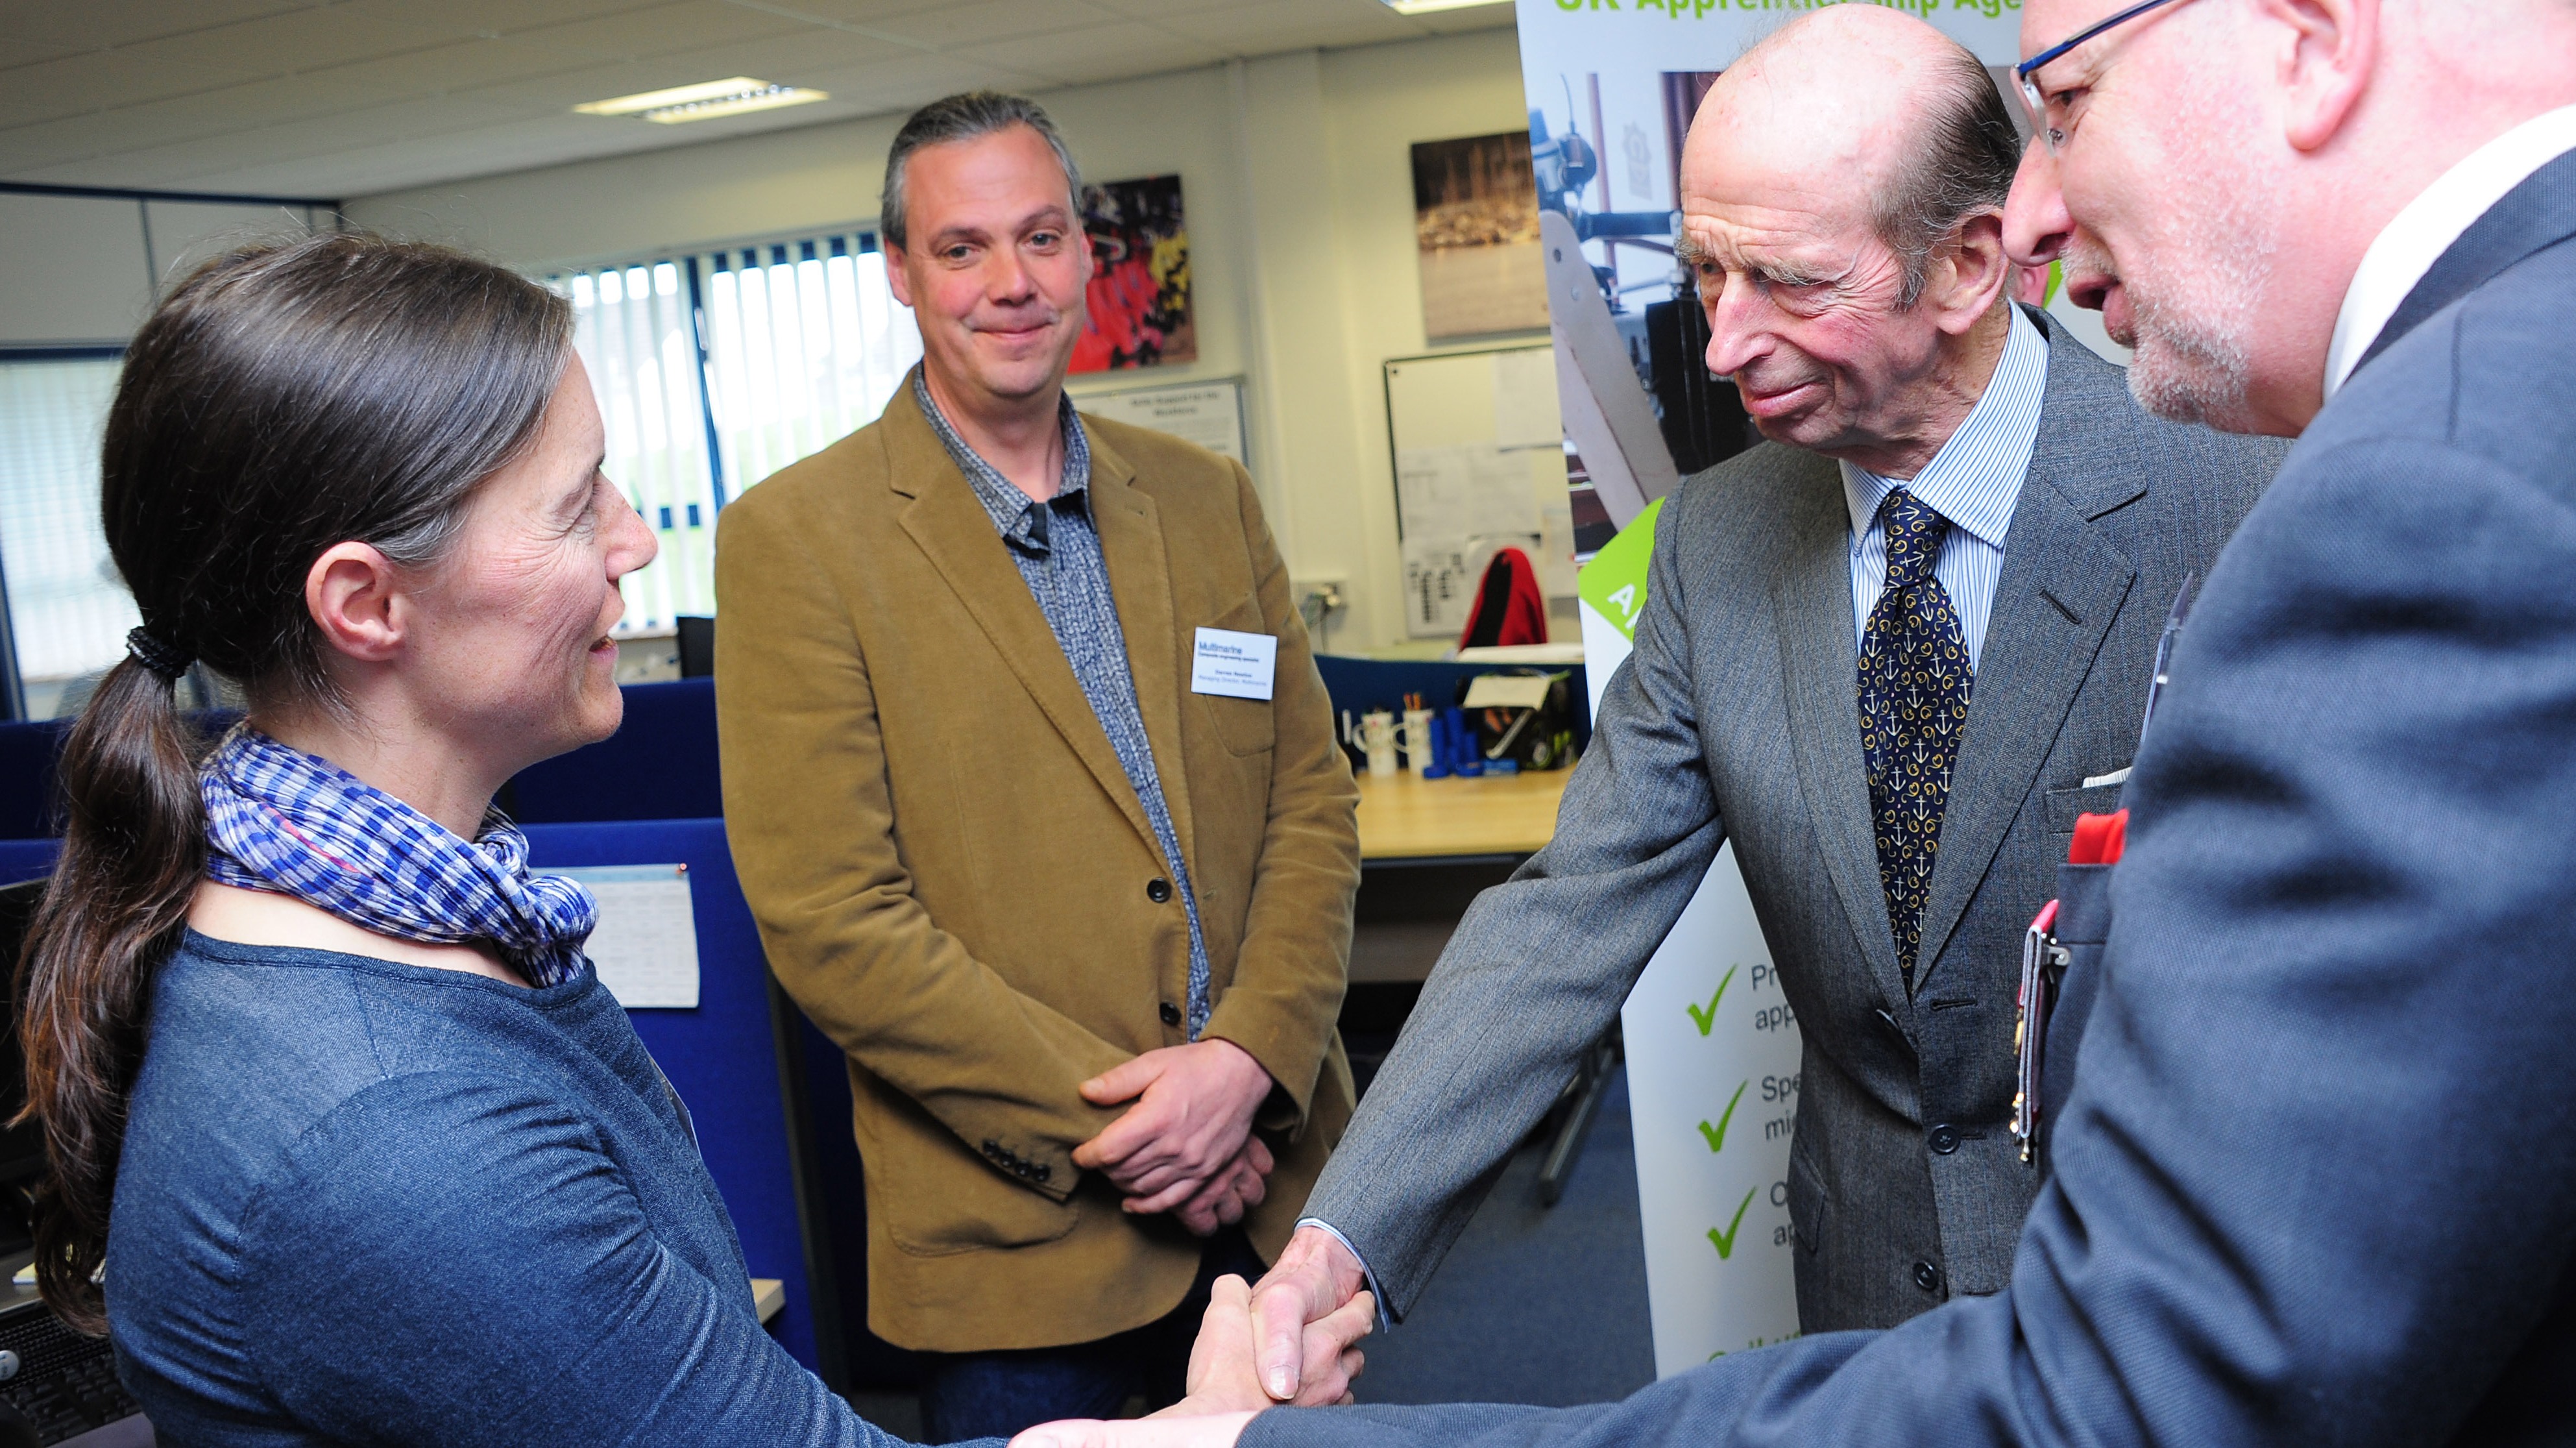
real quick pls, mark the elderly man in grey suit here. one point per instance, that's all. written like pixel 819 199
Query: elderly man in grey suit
pixel 1891 653
pixel 2315 1182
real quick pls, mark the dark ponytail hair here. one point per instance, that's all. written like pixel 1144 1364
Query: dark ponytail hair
pixel 282 399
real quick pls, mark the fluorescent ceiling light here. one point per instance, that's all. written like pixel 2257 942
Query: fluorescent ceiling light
pixel 1425 7
pixel 704 101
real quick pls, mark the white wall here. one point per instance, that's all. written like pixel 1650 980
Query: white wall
pixel 1297 174
pixel 83 269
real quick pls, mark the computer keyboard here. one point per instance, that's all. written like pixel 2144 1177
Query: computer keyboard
pixel 65 1382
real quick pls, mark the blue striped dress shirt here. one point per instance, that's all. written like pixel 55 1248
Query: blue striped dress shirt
pixel 1974 481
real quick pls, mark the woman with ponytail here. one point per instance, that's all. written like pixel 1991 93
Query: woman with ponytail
pixel 347 1141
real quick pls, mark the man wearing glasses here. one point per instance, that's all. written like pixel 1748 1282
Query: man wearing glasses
pixel 2316 1181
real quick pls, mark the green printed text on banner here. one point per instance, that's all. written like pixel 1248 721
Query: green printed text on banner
pixel 1614 582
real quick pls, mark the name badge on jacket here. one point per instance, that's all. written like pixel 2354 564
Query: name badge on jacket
pixel 1237 665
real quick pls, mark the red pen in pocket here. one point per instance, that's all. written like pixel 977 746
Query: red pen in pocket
pixel 2099 840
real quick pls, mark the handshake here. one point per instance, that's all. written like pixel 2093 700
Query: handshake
pixel 1291 1340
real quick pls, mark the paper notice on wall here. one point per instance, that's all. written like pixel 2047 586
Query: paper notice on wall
pixel 645 946
pixel 1525 399
pixel 1207 413
pixel 1440 580
pixel 1480 490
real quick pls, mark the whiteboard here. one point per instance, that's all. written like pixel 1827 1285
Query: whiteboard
pixel 1207 413
pixel 1479 460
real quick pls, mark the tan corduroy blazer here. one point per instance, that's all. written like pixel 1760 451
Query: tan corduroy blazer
pixel 951 872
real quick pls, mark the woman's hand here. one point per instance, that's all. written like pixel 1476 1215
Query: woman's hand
pixel 1137 1433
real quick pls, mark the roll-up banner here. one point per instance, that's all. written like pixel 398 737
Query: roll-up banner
pixel 1712 1047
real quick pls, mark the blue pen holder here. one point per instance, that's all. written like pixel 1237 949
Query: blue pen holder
pixel 1465 760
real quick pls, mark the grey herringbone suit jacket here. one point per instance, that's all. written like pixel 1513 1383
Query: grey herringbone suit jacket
pixel 1737 717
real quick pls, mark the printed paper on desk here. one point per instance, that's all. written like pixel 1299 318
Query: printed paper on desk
pixel 646 944
pixel 1237 665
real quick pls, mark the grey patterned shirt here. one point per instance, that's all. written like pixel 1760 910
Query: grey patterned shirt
pixel 1058 554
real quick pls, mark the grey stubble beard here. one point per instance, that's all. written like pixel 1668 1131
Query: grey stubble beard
pixel 2193 314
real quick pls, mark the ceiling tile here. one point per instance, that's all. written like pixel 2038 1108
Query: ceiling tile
pixel 16 53
pixel 1161 9
pixel 996 20
pixel 468 66
pixel 474 19
pixel 1125 49
pixel 244 110
pixel 661 30
pixel 848 12
pixel 101 80
pixel 93 23
pixel 286 44
pixel 311 136
pixel 1277 25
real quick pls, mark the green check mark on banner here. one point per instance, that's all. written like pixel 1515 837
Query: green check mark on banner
pixel 1725 1241
pixel 1717 1134
pixel 1708 1018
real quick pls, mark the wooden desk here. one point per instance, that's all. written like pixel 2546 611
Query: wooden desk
pixel 1426 848
pixel 1408 817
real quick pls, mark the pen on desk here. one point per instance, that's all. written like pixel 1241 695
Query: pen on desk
pixel 2164 650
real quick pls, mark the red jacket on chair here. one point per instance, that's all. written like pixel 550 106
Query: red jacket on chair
pixel 1509 607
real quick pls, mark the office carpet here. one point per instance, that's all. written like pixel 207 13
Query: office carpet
pixel 1536 1304
pixel 1542 1305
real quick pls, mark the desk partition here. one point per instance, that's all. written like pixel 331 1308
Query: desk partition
pixel 722 1058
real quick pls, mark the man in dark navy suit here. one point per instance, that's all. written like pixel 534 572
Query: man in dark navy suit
pixel 2315 1182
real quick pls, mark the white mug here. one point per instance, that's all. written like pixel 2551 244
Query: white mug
pixel 1377 740
pixel 1416 739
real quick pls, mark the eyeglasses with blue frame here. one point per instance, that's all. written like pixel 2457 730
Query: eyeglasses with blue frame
pixel 2028 71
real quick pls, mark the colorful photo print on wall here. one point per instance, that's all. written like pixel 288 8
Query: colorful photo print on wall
pixel 1475 219
pixel 1140 284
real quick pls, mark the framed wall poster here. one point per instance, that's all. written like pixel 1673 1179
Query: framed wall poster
pixel 1475 224
pixel 1139 299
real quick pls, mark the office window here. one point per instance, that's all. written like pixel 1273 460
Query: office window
pixel 805 344
pixel 717 369
pixel 68 609
pixel 633 330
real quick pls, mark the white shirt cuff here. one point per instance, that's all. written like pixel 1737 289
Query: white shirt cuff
pixel 1377 1294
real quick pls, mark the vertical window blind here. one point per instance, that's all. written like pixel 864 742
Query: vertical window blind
pixel 716 369
pixel 68 608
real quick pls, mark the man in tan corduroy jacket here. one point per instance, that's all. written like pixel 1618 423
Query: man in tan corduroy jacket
pixel 1080 920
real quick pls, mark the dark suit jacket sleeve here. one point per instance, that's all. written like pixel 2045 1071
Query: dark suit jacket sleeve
pixel 811 823
pixel 2316 1182
pixel 1294 963
pixel 1538 967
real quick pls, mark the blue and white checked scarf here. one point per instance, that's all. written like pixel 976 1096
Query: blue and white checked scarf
pixel 280 820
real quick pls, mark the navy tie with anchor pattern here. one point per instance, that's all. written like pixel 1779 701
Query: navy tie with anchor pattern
pixel 1914 679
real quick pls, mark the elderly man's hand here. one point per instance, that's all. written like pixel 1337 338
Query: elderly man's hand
pixel 1315 1278
pixel 1186 1133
